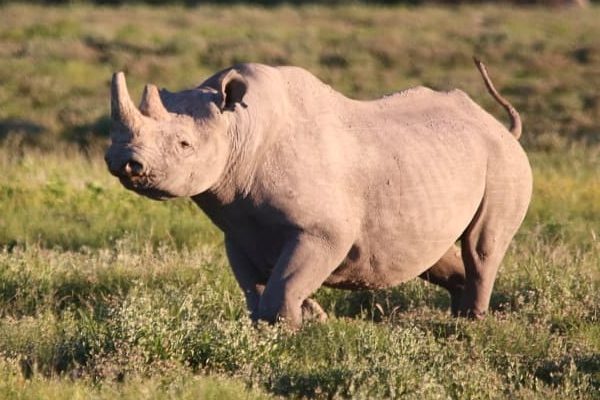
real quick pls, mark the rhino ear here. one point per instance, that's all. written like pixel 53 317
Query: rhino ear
pixel 232 87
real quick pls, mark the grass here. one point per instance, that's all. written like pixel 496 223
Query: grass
pixel 71 202
pixel 361 51
pixel 175 385
pixel 104 294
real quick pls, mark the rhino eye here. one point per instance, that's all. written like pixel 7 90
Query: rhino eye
pixel 185 144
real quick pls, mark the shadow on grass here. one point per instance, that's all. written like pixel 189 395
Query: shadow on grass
pixel 501 301
pixel 313 384
pixel 555 372
pixel 76 292
pixel 380 304
pixel 86 136
pixel 26 132
pixel 29 134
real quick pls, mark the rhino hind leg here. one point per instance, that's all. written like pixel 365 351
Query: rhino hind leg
pixel 449 273
pixel 483 246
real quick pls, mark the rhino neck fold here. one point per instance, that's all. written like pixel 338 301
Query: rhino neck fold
pixel 246 146
pixel 239 167
pixel 251 132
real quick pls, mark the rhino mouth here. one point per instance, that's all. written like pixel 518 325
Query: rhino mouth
pixel 144 187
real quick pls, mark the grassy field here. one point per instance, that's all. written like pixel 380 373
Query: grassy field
pixel 105 294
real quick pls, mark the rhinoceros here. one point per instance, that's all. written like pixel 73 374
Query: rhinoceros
pixel 313 188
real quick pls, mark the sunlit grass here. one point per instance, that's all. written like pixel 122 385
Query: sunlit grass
pixel 67 199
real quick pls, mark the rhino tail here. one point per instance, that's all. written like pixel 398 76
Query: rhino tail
pixel 516 126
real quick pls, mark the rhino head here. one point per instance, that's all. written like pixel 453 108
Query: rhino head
pixel 174 144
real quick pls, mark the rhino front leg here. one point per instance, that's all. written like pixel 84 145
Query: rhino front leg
pixel 449 273
pixel 304 264
pixel 249 278
pixel 252 284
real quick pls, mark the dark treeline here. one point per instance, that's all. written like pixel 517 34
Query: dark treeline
pixel 552 3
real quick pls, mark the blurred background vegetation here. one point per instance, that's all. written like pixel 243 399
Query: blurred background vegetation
pixel 313 2
pixel 55 63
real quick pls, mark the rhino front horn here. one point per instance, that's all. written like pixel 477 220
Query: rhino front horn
pixel 122 108
pixel 152 105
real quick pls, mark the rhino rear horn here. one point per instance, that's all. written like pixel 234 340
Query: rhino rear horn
pixel 152 105
pixel 122 108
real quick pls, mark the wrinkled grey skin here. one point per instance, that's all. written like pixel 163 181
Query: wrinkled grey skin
pixel 312 188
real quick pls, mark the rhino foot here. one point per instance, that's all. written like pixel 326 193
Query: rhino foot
pixel 312 311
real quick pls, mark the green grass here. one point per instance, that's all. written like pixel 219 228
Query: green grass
pixel 174 384
pixel 105 294
pixel 68 200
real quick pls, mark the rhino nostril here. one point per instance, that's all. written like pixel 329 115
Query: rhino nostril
pixel 133 168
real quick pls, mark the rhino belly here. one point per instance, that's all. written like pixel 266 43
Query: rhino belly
pixel 384 265
pixel 401 239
